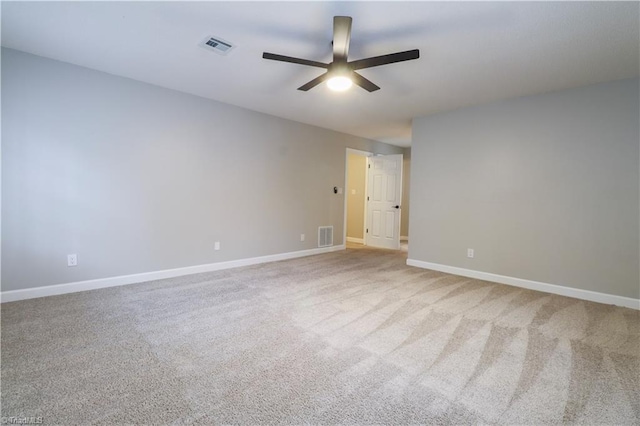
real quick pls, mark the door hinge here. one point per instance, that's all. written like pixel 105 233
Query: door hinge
pixel 367 198
pixel 367 230
pixel 369 165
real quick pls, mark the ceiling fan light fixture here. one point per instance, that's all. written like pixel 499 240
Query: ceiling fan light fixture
pixel 341 73
pixel 339 83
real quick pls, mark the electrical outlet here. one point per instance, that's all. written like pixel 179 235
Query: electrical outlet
pixel 216 245
pixel 301 237
pixel 72 260
pixel 470 253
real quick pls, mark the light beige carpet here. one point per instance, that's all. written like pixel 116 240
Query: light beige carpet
pixel 347 337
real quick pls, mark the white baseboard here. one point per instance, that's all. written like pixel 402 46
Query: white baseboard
pixel 52 290
pixel 592 296
pixel 404 238
pixel 355 240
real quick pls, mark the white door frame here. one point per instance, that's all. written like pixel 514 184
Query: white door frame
pixel 346 190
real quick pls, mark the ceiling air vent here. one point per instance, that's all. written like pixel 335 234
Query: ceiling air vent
pixel 216 44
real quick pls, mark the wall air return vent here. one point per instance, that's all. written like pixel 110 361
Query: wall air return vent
pixel 216 44
pixel 325 236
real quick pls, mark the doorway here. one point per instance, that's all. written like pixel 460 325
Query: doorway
pixel 355 195
pixel 373 195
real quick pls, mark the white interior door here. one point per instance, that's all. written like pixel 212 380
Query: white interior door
pixel 384 194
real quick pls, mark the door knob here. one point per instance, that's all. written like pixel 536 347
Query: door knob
pixel 396 207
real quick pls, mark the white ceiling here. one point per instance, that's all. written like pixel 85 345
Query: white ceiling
pixel 470 52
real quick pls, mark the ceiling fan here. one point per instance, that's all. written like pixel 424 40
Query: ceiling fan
pixel 341 73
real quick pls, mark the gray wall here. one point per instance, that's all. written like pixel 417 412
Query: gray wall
pixel 543 188
pixel 406 186
pixel 136 178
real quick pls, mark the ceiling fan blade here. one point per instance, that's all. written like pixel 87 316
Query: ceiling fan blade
pixel 292 60
pixel 363 82
pixel 384 59
pixel 313 83
pixel 341 37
